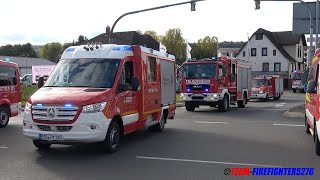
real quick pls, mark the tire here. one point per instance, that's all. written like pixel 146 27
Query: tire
pixel 112 141
pixel 190 106
pixel 267 98
pixel 160 126
pixel 302 90
pixel 4 117
pixel 316 140
pixel 41 145
pixel 294 90
pixel 277 97
pixel 306 125
pixel 242 103
pixel 224 104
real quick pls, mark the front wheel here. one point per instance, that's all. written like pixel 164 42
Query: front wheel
pixel 4 117
pixel 306 125
pixel 224 104
pixel 316 139
pixel 41 145
pixel 294 90
pixel 112 140
pixel 190 106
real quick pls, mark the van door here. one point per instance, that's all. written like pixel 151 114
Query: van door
pixel 311 98
pixel 127 99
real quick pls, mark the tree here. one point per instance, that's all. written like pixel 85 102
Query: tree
pixel 7 50
pixel 51 51
pixel 154 35
pixel 24 50
pixel 175 44
pixel 205 48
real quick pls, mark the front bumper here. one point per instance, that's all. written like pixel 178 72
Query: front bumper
pixel 298 87
pixel 201 97
pixel 258 96
pixel 81 130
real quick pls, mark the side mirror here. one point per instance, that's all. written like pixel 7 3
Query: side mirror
pixel 135 83
pixel 311 88
pixel 304 77
pixel 40 81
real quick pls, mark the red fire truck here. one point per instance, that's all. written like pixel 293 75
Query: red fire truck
pixel 296 83
pixel 98 93
pixel 265 87
pixel 10 93
pixel 216 83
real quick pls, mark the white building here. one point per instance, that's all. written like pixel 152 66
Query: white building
pixel 274 53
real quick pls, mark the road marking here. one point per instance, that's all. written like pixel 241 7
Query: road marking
pixel 208 122
pixel 267 109
pixel 293 125
pixel 3 147
pixel 201 161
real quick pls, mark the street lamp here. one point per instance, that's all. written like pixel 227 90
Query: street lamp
pixel 257 6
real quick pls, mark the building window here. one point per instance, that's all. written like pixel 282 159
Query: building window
pixel 264 52
pixel 243 53
pixel 151 68
pixel 265 67
pixel 277 67
pixel 253 51
pixel 299 51
pixel 259 36
pixel 274 52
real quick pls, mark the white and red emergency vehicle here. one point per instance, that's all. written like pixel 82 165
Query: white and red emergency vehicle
pixel 10 92
pixel 296 83
pixel 97 93
pixel 312 117
pixel 265 87
pixel 216 83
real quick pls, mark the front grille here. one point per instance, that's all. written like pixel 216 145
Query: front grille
pixel 197 97
pixel 54 113
pixel 54 128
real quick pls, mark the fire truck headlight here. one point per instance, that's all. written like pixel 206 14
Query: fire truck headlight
pixel 215 95
pixel 27 107
pixel 92 108
pixel 261 92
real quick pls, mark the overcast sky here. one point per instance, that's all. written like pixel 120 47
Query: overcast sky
pixel 44 21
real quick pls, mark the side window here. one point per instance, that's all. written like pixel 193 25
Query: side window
pixel 127 73
pixel 232 72
pixel 151 61
pixel 220 71
pixel 269 82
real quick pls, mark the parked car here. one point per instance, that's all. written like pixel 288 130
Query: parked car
pixel 26 79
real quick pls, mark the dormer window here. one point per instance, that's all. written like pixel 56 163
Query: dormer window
pixel 259 36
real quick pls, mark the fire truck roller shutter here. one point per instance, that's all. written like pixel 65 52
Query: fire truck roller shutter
pixel 167 82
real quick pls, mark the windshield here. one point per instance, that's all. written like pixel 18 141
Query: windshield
pixel 206 71
pixel 96 73
pixel 258 82
pixel 296 76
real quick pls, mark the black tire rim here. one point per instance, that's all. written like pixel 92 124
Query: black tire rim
pixel 114 137
pixel 4 117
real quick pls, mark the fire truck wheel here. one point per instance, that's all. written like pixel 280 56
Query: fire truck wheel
pixel 277 97
pixel 267 98
pixel 112 140
pixel 306 125
pixel 316 139
pixel 242 103
pixel 224 104
pixel 190 106
pixel 4 117
pixel 160 126
pixel 302 90
pixel 41 145
pixel 294 91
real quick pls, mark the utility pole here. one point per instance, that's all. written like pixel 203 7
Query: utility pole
pixel 193 8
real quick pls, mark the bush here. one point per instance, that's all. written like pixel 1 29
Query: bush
pixel 26 92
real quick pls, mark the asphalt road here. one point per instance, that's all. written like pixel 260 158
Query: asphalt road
pixel 195 145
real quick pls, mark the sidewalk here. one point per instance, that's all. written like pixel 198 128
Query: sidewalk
pixel 298 111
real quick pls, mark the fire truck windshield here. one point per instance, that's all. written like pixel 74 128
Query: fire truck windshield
pixel 258 82
pixel 296 76
pixel 204 71
pixel 96 73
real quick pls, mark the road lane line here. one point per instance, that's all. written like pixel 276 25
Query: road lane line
pixel 3 147
pixel 293 125
pixel 208 122
pixel 267 109
pixel 201 161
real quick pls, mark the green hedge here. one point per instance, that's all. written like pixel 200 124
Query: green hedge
pixel 26 92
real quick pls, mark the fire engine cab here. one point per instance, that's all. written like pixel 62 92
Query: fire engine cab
pixel 265 87
pixel 296 83
pixel 98 93
pixel 10 93
pixel 216 83
pixel 312 122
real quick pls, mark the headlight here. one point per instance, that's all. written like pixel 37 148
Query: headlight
pixel 92 108
pixel 215 95
pixel 261 92
pixel 27 107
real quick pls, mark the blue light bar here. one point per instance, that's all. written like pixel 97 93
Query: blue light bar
pixel 39 105
pixel 7 59
pixel 122 48
pixel 68 105
pixel 206 90
pixel 188 90
pixel 70 49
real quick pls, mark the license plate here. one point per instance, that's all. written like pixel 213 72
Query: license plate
pixel 50 137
